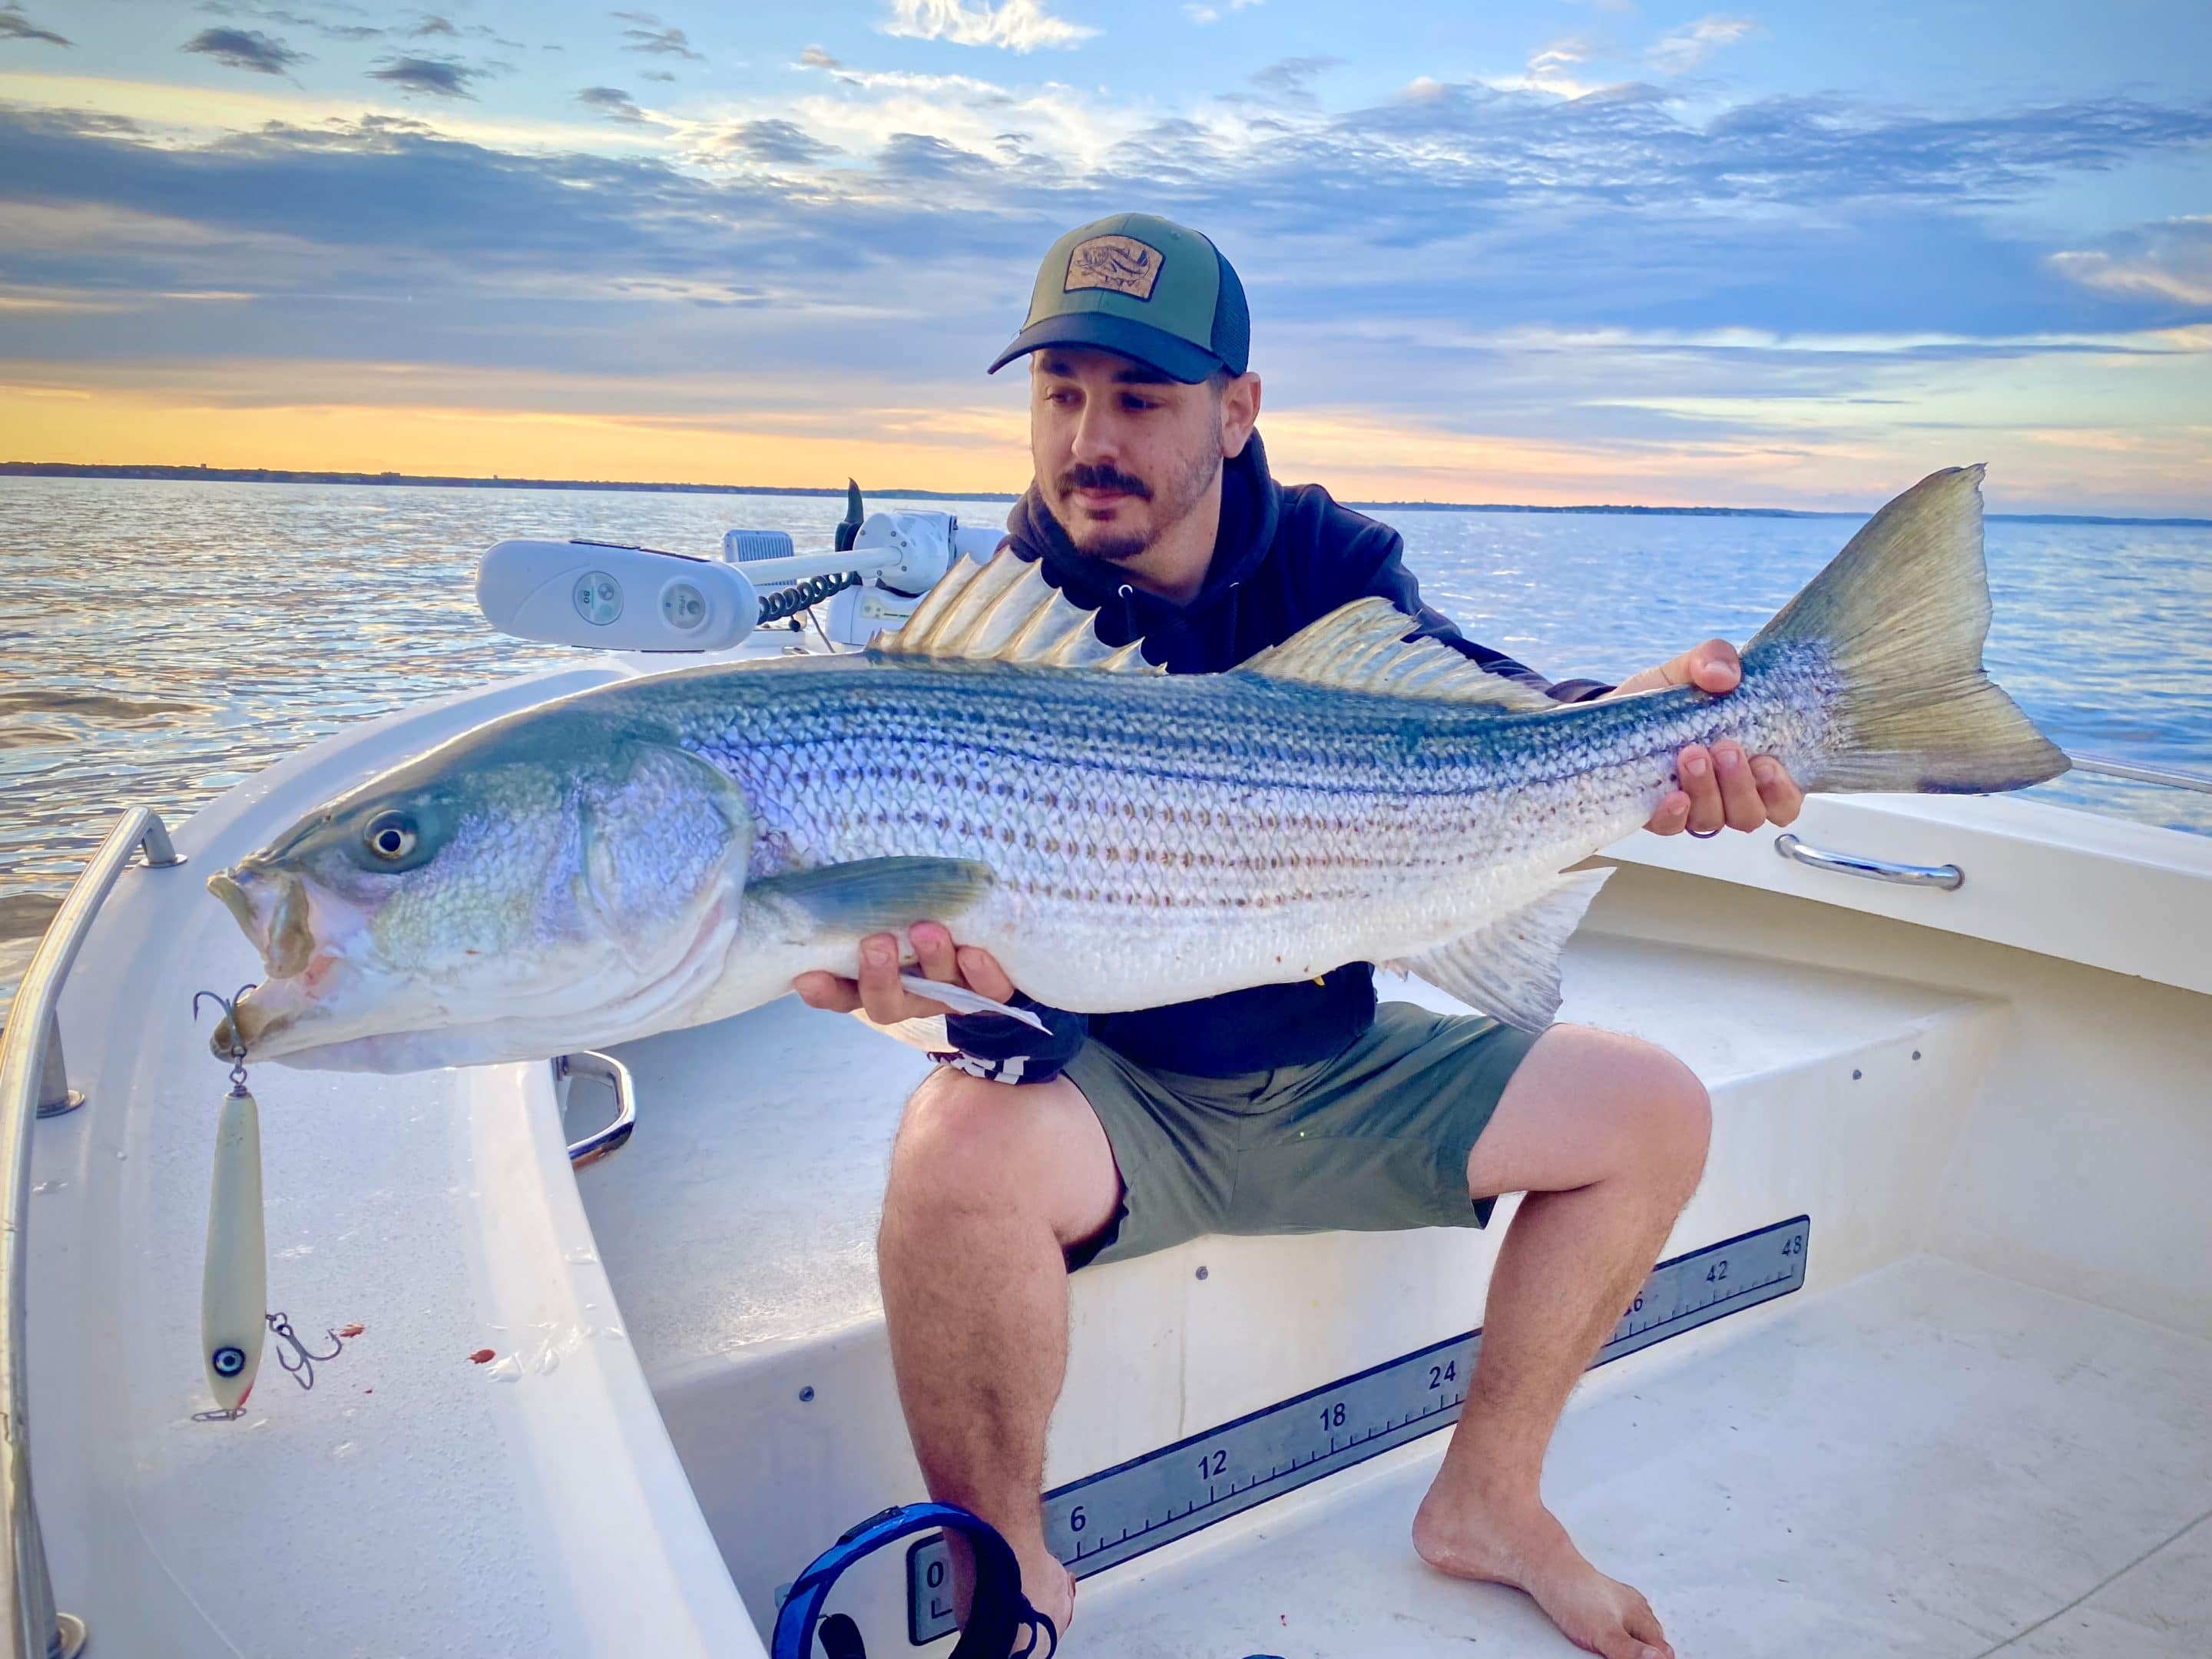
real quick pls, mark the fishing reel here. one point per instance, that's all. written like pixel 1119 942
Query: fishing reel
pixel 997 1614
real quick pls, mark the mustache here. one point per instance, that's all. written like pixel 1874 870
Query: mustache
pixel 1083 476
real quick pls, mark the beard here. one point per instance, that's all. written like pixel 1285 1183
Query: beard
pixel 1170 505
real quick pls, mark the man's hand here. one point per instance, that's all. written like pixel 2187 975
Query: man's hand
pixel 877 992
pixel 1720 785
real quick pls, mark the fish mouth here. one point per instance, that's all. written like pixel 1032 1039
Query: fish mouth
pixel 290 1014
pixel 272 910
pixel 277 911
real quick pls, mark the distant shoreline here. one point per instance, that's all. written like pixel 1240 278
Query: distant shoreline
pixel 410 480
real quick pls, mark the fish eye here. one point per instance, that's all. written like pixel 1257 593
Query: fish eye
pixel 229 1362
pixel 390 836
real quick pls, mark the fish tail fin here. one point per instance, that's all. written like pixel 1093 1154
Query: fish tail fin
pixel 1902 612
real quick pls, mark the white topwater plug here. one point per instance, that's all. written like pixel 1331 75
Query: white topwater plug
pixel 234 1318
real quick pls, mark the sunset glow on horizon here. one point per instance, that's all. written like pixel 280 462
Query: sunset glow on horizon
pixel 1548 254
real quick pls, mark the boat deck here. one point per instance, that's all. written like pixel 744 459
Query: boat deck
pixel 741 1217
pixel 1929 1460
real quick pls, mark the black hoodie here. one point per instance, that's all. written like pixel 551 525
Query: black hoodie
pixel 1286 556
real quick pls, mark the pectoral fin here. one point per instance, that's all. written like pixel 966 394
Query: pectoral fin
pixel 1510 968
pixel 875 896
pixel 962 1000
pixel 927 1034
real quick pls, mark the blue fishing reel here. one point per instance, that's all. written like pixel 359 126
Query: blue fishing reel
pixel 998 1615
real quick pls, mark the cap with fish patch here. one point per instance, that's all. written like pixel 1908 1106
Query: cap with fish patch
pixel 1144 287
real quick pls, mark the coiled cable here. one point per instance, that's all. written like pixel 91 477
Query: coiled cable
pixel 803 595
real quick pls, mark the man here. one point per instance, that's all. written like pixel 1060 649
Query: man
pixel 1031 1157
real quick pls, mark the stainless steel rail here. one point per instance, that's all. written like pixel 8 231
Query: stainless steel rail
pixel 2171 777
pixel 31 1077
pixel 1946 876
pixel 590 1062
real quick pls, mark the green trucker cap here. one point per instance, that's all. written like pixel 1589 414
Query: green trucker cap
pixel 1144 287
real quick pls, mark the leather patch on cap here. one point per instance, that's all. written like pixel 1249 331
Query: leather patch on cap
pixel 1119 263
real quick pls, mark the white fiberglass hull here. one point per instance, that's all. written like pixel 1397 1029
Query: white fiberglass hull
pixel 1984 1406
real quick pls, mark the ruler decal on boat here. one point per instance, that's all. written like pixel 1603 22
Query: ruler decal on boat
pixel 1107 1518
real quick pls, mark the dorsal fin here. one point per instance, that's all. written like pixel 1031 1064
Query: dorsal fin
pixel 1006 611
pixel 1362 647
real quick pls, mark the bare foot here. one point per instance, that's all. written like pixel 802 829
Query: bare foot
pixel 1524 1546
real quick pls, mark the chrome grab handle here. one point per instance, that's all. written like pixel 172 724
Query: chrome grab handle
pixel 141 828
pixel 34 1084
pixel 1946 876
pixel 590 1062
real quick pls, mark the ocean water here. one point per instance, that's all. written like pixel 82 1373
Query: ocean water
pixel 160 642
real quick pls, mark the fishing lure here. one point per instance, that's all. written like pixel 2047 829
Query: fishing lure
pixel 234 1285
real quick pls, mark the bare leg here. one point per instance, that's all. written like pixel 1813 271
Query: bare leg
pixel 1606 1135
pixel 990 1183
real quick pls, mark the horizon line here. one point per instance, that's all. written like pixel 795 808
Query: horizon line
pixel 170 473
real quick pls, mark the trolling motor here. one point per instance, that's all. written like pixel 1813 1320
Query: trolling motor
pixel 612 595
pixel 997 1614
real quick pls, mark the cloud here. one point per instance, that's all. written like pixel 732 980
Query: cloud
pixel 613 103
pixel 815 58
pixel 647 35
pixel 926 88
pixel 430 25
pixel 1016 25
pixel 322 26
pixel 1552 68
pixel 1210 13
pixel 441 77
pixel 245 49
pixel 913 156
pixel 655 74
pixel 1778 213
pixel 1685 48
pixel 778 142
pixel 15 25
pixel 1613 273
pixel 1292 78
pixel 2171 261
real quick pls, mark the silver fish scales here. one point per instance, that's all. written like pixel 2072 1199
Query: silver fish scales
pixel 674 849
pixel 1240 828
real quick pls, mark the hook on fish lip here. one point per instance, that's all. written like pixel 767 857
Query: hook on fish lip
pixel 226 1041
pixel 250 1020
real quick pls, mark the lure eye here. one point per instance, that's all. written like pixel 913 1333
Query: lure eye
pixel 229 1362
pixel 390 836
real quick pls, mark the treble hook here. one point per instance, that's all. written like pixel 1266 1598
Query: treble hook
pixel 237 1050
pixel 302 1368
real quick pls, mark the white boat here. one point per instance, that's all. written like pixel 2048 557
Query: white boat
pixel 1931 1373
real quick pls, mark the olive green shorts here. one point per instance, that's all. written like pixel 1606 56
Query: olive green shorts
pixel 1374 1139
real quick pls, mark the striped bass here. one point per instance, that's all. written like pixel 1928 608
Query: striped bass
pixel 671 850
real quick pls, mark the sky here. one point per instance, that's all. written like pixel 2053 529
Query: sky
pixel 1533 250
